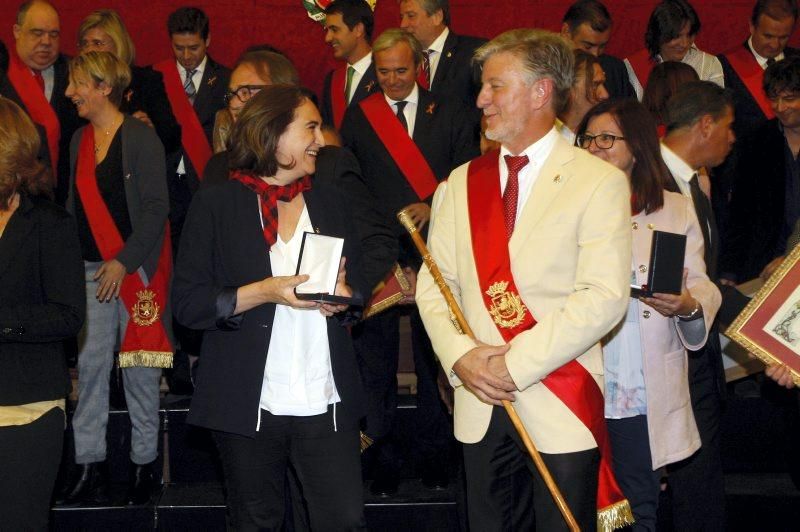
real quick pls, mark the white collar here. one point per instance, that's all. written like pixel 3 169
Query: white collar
pixel 539 151
pixel 438 44
pixel 761 59
pixel 413 97
pixel 677 166
pixel 362 65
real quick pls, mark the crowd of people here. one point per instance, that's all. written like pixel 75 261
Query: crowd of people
pixel 158 215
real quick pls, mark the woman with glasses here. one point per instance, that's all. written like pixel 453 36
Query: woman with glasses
pixel 278 384
pixel 118 195
pixel 145 98
pixel 648 409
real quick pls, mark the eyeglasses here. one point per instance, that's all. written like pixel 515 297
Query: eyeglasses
pixel 244 93
pixel 603 141
pixel 83 44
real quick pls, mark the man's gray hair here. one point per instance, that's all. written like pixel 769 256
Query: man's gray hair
pixel 543 55
pixel 394 36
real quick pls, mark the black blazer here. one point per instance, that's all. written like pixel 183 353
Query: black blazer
pixel 209 98
pixel 339 166
pixel 456 75
pixel 67 117
pixel 42 301
pixel 443 133
pixel 618 84
pixel 224 248
pixel 147 93
pixel 753 236
pixel 367 85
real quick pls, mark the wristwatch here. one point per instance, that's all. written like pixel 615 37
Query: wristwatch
pixel 694 314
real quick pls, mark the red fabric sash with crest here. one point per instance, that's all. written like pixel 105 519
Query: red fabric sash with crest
pixel 145 342
pixel 404 152
pixel 750 72
pixel 571 383
pixel 338 103
pixel 37 106
pixel 193 138
pixel 642 65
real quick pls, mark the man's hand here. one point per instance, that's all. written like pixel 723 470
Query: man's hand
pixel 419 213
pixel 780 374
pixel 408 295
pixel 141 115
pixel 476 369
pixel 770 268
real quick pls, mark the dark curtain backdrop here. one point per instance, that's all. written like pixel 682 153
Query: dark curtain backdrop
pixel 236 24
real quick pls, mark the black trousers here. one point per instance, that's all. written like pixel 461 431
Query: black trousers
pixel 506 493
pixel 327 463
pixel 376 342
pixel 633 469
pixel 697 484
pixel 29 458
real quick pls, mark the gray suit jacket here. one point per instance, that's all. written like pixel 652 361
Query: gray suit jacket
pixel 144 170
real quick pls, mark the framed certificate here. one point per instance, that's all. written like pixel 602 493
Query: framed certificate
pixel 769 326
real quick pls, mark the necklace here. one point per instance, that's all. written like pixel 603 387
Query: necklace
pixel 98 146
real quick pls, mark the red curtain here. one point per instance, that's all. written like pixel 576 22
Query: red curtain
pixel 236 24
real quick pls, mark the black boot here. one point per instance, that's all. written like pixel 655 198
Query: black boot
pixel 142 483
pixel 89 486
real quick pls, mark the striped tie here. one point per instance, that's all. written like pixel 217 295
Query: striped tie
pixel 188 85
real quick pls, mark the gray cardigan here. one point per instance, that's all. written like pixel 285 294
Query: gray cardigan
pixel 144 168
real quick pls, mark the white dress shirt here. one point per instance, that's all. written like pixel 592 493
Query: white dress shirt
pixel 707 66
pixel 435 53
pixel 410 110
pixel 360 68
pixel 537 153
pixel 298 377
pixel 762 61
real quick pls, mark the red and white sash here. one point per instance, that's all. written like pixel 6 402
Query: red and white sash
pixel 750 72
pixel 145 342
pixel 37 106
pixel 401 147
pixel 571 383
pixel 193 137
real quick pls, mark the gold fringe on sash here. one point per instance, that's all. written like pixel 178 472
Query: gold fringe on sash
pixel 615 516
pixel 145 359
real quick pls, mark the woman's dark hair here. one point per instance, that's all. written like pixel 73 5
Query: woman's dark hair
pixel 649 175
pixel 666 22
pixel 20 168
pixel 253 142
pixel 664 81
pixel 584 66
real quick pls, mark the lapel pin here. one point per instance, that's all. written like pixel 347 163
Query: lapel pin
pixel 449 54
pixel 211 81
pixel 128 95
pixel 369 86
pixel 316 230
pixel 557 178
pixel 430 108
pixel 127 176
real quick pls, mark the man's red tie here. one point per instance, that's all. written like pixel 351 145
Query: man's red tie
pixel 424 76
pixel 37 75
pixel 511 194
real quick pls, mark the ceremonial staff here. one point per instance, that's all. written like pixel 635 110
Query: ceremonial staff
pixel 406 221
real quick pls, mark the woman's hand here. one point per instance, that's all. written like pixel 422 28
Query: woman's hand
pixel 328 309
pixel 670 305
pixel 280 290
pixel 109 276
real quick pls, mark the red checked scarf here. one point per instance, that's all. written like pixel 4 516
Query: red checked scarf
pixel 269 195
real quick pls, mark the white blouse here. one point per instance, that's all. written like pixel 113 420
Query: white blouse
pixel 707 66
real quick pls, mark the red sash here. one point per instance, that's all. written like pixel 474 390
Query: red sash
pixel 401 147
pixel 338 102
pixel 642 65
pixel 750 72
pixel 571 383
pixel 193 138
pixel 37 106
pixel 145 342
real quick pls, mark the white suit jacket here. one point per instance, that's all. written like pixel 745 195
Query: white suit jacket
pixel 570 257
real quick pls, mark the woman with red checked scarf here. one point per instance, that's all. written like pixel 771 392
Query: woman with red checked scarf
pixel 278 384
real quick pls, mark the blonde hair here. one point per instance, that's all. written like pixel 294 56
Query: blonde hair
pixel 20 168
pixel 110 22
pixel 393 36
pixel 103 67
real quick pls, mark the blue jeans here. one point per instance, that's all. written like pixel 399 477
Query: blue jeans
pixel 105 322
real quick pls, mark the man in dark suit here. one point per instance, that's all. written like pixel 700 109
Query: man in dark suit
pixel 765 204
pixel 348 29
pixel 447 58
pixel 195 88
pixel 406 141
pixel 36 57
pixel 587 26
pixel 771 24
pixel 699 120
